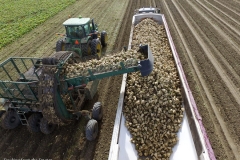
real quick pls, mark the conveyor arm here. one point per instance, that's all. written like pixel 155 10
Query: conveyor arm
pixel 144 66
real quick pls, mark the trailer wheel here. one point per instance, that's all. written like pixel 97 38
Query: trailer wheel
pixel 91 130
pixel 46 127
pixel 10 120
pixel 96 48
pixel 104 38
pixel 60 45
pixel 97 112
pixel 34 122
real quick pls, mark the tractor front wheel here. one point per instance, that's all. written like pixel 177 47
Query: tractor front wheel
pixel 10 120
pixel 34 122
pixel 1 113
pixel 97 112
pixel 60 45
pixel 46 127
pixel 96 48
pixel 91 130
pixel 104 38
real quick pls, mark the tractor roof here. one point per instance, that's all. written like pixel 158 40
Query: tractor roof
pixel 76 21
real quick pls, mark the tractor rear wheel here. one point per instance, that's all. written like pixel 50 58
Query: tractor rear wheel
pixel 86 48
pixel 91 130
pixel 60 45
pixel 104 38
pixel 96 48
pixel 1 113
pixel 46 127
pixel 97 112
pixel 34 122
pixel 10 120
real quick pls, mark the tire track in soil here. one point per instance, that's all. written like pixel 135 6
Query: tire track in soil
pixel 188 69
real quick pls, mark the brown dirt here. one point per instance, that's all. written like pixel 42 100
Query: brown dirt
pixel 206 35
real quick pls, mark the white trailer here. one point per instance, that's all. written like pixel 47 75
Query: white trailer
pixel 193 140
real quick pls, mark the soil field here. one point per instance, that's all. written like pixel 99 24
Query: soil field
pixel 206 35
pixel 207 38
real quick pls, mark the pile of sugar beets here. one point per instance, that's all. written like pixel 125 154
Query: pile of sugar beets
pixel 153 105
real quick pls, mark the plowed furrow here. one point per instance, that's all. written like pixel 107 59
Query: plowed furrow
pixel 207 79
pixel 220 71
pixel 232 5
pixel 231 8
pixel 223 20
pixel 209 30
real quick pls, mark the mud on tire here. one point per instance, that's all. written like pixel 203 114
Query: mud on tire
pixel 34 122
pixel 46 127
pixel 91 130
pixel 97 112
pixel 10 120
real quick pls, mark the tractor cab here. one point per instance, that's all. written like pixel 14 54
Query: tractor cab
pixel 78 28
pixel 82 37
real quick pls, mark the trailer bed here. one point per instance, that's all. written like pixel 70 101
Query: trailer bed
pixel 184 149
pixel 193 141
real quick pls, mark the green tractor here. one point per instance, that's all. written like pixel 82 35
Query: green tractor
pixel 82 37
